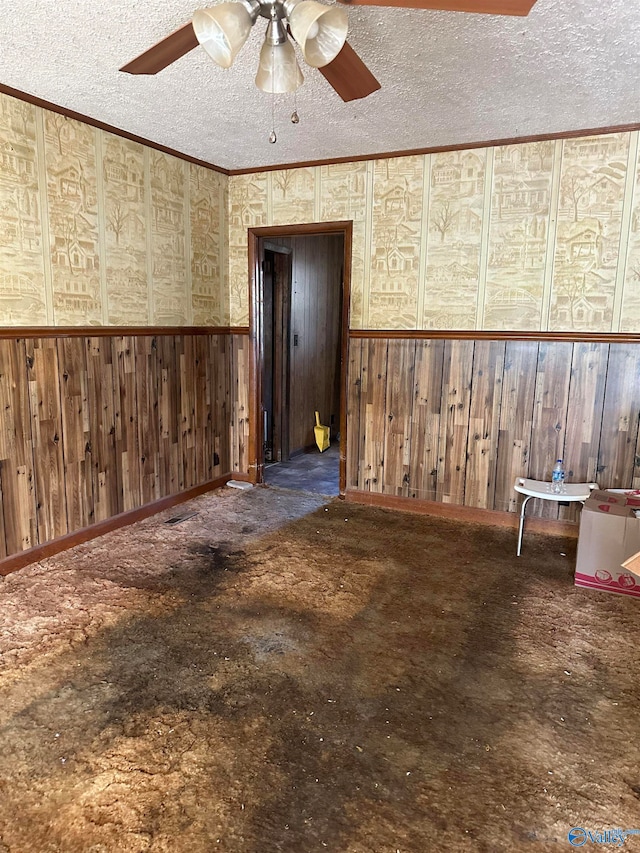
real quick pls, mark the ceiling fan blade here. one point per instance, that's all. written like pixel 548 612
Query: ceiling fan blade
pixel 349 76
pixel 487 7
pixel 164 53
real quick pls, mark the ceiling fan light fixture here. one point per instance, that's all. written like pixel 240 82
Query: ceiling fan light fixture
pixel 278 70
pixel 223 30
pixel 320 30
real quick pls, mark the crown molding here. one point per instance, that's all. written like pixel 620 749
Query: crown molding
pixel 438 149
pixel 56 108
pixel 380 155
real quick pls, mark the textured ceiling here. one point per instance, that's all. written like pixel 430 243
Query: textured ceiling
pixel 448 78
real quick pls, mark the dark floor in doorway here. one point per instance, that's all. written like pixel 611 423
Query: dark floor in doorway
pixel 307 472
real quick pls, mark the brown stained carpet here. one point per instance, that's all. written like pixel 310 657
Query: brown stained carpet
pixel 276 674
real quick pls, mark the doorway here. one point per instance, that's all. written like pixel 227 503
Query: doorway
pixel 298 327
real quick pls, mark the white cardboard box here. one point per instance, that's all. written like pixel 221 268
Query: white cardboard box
pixel 609 535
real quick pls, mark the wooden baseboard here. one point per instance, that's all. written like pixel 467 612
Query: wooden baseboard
pixel 70 540
pixel 394 502
pixel 241 477
pixel 498 518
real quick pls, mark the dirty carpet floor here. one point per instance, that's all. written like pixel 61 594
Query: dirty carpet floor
pixel 278 673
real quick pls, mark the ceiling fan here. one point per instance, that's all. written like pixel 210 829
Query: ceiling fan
pixel 320 31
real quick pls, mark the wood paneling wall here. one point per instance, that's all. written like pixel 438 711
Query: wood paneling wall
pixel 458 420
pixel 94 426
pixel 316 311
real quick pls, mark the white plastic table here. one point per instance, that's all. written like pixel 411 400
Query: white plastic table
pixel 572 493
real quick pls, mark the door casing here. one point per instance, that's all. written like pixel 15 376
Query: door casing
pixel 256 336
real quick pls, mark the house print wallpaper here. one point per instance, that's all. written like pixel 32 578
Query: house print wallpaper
pixel 588 241
pixel 22 286
pixel 247 209
pixel 517 236
pixel 98 230
pixel 168 241
pixel 395 239
pixel 125 199
pixel 209 270
pixel 630 307
pixel 72 206
pixel 453 226
pixel 539 236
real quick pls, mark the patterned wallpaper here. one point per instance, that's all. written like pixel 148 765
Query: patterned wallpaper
pixel 98 230
pixel 95 229
pixel 534 236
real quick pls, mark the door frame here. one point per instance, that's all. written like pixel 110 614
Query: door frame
pixel 256 335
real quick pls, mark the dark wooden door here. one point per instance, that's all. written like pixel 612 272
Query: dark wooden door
pixel 275 361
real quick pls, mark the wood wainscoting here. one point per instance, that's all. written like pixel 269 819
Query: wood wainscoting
pixel 97 424
pixel 457 420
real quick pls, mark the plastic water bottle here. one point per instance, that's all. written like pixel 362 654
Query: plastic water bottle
pixel 557 478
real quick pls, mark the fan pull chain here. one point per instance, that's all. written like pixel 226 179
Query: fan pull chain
pixel 295 118
pixel 272 136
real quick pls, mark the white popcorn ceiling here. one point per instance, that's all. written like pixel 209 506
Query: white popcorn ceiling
pixel 448 78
